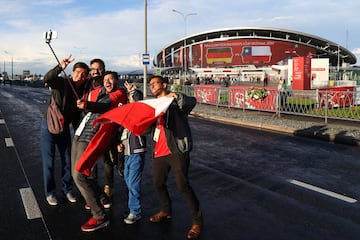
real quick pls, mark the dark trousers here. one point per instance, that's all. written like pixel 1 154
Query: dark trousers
pixel 179 163
pixel 49 142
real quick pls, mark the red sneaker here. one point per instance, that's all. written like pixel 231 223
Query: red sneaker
pixel 94 224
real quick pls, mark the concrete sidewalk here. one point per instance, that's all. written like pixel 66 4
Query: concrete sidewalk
pixel 344 133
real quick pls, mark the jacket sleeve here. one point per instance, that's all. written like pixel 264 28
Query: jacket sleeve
pixel 185 103
pixel 137 95
pixel 51 78
pixel 98 107
pixel 118 97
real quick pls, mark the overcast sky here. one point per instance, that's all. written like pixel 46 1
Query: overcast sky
pixel 114 29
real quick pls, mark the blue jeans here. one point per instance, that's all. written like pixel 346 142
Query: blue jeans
pixel 49 142
pixel 133 167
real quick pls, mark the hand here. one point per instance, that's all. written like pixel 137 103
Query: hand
pixel 66 61
pixel 81 104
pixel 129 86
pixel 172 94
pixel 120 147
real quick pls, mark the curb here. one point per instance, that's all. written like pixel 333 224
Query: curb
pixel 335 138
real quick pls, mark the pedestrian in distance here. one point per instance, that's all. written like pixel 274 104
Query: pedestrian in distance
pixel 172 143
pixel 282 95
pixel 64 97
pixel 266 81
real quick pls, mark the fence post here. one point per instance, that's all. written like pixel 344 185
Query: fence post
pixel 326 106
pixel 244 99
pixel 278 107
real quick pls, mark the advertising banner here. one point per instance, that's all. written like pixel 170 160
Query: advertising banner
pixel 206 93
pixel 301 73
pixel 258 52
pixel 253 97
pixel 337 97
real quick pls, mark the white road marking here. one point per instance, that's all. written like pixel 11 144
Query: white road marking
pixel 323 191
pixel 9 142
pixel 2 121
pixel 31 206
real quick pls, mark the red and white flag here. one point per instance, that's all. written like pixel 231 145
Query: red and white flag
pixel 136 116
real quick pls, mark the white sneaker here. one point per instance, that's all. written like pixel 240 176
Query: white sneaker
pixel 71 197
pixel 131 218
pixel 52 200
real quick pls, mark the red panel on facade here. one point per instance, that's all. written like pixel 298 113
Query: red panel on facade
pixel 227 53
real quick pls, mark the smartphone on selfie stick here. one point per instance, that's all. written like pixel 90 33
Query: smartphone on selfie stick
pixel 48 36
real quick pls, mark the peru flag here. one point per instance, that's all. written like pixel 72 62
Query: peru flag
pixel 137 117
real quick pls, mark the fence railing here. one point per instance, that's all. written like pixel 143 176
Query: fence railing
pixel 332 103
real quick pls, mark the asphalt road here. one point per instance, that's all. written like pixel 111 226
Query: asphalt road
pixel 251 184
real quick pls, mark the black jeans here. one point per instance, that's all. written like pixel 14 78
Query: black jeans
pixel 179 163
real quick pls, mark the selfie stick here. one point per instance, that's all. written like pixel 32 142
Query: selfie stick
pixel 48 36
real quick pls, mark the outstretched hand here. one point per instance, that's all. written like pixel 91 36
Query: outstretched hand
pixel 129 86
pixel 66 61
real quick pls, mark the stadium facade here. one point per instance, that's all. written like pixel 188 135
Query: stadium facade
pixel 259 46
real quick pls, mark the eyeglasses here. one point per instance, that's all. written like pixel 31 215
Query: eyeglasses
pixel 155 83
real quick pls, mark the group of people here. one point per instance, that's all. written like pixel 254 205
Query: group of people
pixel 90 92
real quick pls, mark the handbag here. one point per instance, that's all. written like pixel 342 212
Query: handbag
pixel 55 119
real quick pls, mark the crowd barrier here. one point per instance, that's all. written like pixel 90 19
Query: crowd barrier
pixel 328 103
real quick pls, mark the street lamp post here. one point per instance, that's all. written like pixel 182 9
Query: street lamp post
pixel 12 65
pixel 185 16
pixel 145 48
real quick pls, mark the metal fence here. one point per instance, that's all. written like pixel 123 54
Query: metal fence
pixel 326 104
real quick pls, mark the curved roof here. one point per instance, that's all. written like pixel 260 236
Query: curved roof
pixel 324 47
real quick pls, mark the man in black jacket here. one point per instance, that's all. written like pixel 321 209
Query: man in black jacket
pixel 172 143
pixel 65 98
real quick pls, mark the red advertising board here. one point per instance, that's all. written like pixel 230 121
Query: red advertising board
pixel 239 98
pixel 337 97
pixel 206 93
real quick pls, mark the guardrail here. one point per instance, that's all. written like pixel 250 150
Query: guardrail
pixel 330 103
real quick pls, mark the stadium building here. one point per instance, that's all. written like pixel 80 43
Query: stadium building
pixel 259 47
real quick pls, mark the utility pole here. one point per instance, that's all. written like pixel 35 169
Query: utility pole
pixel 145 48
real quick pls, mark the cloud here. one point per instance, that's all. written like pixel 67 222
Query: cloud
pixel 356 51
pixel 281 18
pixel 114 30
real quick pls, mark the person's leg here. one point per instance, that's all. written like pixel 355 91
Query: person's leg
pixel 86 186
pixel 47 145
pixel 108 174
pixel 77 149
pixel 161 170
pixel 134 167
pixel 180 166
pixel 64 145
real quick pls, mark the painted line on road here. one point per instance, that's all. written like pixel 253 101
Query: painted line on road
pixel 9 142
pixel 323 191
pixel 2 121
pixel 31 206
